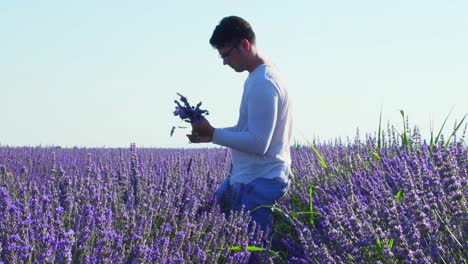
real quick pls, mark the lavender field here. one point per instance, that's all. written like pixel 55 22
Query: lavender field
pixel 353 202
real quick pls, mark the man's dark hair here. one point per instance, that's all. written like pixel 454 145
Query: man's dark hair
pixel 230 31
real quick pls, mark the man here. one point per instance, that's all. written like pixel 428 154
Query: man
pixel 260 142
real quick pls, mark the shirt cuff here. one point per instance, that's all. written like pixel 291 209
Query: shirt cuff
pixel 219 136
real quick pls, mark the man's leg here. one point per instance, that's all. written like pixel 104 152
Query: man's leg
pixel 263 192
pixel 223 196
pixel 259 192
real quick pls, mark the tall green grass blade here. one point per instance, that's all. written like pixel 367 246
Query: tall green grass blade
pixel 294 178
pixel 448 229
pixel 319 156
pixel 248 248
pixel 405 134
pixel 311 204
pixel 379 244
pixel 296 145
pixel 368 164
pixel 390 243
pixel 277 209
pixel 441 128
pixel 351 187
pixel 454 131
pixel 399 196
pixel 306 213
pixel 234 248
pixel 91 242
pixel 379 249
pixel 375 155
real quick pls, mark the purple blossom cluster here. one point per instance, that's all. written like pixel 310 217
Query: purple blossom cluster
pixel 348 203
pixel 188 113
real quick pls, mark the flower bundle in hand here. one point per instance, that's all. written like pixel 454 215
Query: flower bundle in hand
pixel 188 113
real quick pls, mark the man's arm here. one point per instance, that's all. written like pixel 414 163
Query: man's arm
pixel 262 115
pixel 202 132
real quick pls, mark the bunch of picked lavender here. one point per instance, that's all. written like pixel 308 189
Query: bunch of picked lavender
pixel 188 113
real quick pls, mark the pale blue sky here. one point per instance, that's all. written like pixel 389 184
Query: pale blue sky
pixel 106 73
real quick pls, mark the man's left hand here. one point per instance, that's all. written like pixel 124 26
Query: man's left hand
pixel 202 131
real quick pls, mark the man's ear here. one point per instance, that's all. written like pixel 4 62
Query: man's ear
pixel 245 44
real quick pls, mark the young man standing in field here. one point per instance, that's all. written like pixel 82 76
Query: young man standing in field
pixel 260 141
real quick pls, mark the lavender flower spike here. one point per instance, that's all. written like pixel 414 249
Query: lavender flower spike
pixel 188 113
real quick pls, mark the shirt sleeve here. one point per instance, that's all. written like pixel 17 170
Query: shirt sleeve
pixel 262 109
pixel 233 128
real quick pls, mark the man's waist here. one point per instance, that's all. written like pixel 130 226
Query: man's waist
pixel 245 174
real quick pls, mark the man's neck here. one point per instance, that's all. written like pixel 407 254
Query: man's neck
pixel 256 61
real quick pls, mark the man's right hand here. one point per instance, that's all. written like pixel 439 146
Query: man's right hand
pixel 203 128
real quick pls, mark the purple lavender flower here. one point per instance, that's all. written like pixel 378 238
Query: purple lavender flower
pixel 65 247
pixel 172 130
pixel 187 112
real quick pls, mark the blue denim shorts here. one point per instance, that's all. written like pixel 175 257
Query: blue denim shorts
pixel 259 192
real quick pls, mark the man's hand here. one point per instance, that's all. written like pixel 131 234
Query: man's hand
pixel 202 132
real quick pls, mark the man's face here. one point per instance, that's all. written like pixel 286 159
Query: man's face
pixel 231 55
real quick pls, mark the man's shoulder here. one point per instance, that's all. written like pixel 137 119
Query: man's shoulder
pixel 266 80
pixel 265 74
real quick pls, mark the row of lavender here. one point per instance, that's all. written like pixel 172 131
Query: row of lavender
pixel 402 203
pixel 349 203
pixel 116 206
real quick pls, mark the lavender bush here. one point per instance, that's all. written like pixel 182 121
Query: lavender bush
pixel 389 206
pixel 349 203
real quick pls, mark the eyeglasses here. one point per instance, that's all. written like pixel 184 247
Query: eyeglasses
pixel 227 53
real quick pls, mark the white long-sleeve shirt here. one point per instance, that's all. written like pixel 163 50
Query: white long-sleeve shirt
pixel 261 140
